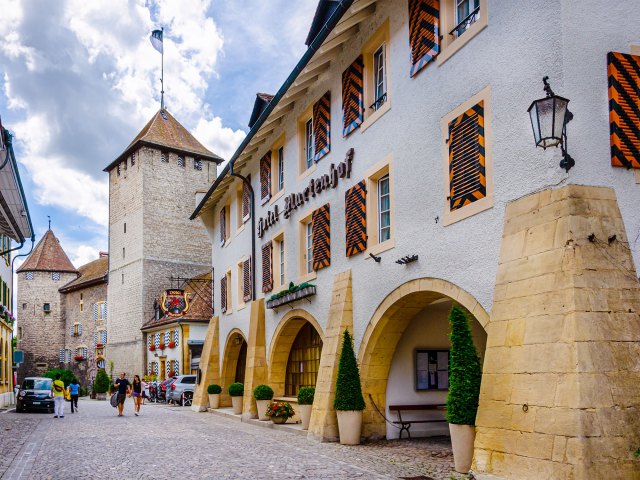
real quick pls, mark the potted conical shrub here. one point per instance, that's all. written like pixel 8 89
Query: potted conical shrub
pixel 305 404
pixel 263 395
pixel 101 384
pixel 236 391
pixel 465 374
pixel 348 402
pixel 214 395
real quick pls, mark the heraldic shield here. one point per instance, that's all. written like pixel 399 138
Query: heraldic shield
pixel 175 302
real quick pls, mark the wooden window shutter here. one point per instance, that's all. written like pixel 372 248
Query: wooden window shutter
pixel 246 200
pixel 467 181
pixel 265 177
pixel 223 225
pixel 355 208
pixel 267 267
pixel 424 32
pixel 223 294
pixel 321 241
pixel 246 280
pixel 624 109
pixel 352 97
pixel 322 126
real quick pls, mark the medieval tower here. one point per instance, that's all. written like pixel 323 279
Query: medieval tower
pixel 152 189
pixel 41 327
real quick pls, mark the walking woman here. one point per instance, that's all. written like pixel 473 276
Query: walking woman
pixel 137 394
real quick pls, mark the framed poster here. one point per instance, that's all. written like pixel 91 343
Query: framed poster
pixel 432 369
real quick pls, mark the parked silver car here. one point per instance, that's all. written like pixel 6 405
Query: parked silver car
pixel 181 390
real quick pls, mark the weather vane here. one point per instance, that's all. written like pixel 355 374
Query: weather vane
pixel 49 217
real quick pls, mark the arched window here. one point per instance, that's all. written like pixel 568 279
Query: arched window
pixel 304 361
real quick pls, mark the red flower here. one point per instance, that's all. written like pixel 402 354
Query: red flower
pixel 152 348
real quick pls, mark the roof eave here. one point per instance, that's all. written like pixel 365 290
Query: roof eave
pixel 81 285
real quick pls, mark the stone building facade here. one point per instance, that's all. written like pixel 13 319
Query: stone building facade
pixel 395 174
pixel 152 188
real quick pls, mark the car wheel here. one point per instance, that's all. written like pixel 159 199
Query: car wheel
pixel 19 409
pixel 187 399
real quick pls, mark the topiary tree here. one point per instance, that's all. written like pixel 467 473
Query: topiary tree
pixel 263 392
pixel 214 389
pixel 465 372
pixel 65 375
pixel 102 382
pixel 348 389
pixel 236 389
pixel 306 395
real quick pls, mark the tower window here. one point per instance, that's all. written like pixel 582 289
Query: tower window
pixel 133 159
pixel 46 307
pixel 123 278
pixel 55 276
pixel 181 161
pixel 122 252
pixel 197 164
pixel 164 157
pixel 125 227
pixel 28 275
pixel 118 169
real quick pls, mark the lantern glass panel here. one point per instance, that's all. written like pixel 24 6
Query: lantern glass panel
pixel 547 120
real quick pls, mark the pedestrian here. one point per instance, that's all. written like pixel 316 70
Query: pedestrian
pixel 74 391
pixel 57 389
pixel 137 394
pixel 124 389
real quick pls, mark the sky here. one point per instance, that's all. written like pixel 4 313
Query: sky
pixel 79 79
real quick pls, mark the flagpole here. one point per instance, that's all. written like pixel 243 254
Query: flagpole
pixel 162 74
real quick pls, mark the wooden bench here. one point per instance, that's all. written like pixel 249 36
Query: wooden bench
pixel 406 424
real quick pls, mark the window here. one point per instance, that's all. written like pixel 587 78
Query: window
pixel 308 242
pixel 466 13
pixel 122 252
pixel 308 143
pixel 225 224
pixel 123 278
pixel 55 276
pixel 380 78
pixel 240 280
pixel 28 275
pixel 133 159
pixel 457 22
pixel 279 260
pixel 280 170
pixel 380 235
pixel 125 227
pixel 46 307
pixel 375 57
pixel 24 306
pixel 77 329
pixel 305 248
pixel 197 164
pixel 384 210
pixel 281 251
pixel 181 161
pixel 304 360
pixel 228 288
pixel 164 157
pixel 276 182
pixel 432 369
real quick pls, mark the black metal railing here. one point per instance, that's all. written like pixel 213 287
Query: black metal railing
pixel 466 22
pixel 379 102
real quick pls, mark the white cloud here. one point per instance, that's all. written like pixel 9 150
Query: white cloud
pixel 83 254
pixel 221 140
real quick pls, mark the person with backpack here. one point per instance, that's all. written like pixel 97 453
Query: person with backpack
pixel 57 389
pixel 74 392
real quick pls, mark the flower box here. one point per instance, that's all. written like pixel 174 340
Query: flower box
pixel 289 297
pixel 99 345
pixel 79 358
pixel 172 344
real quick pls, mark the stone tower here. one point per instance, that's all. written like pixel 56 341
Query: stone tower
pixel 41 326
pixel 152 189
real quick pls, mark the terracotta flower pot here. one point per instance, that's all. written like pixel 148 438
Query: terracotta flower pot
pixel 214 400
pixel 279 420
pixel 237 405
pixel 305 415
pixel 350 426
pixel 462 438
pixel 262 409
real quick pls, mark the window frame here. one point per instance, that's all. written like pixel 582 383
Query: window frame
pixel 381 38
pixel 305 119
pixel 304 275
pixel 229 288
pixel 279 264
pixel 277 192
pixel 450 44
pixel 380 211
pixel 240 284
pixel 383 168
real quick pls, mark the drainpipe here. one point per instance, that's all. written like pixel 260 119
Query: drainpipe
pixel 253 229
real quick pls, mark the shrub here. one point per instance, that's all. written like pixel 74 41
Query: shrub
pixel 280 409
pixel 214 389
pixel 465 372
pixel 83 391
pixel 236 389
pixel 348 389
pixel 263 392
pixel 306 395
pixel 65 375
pixel 102 382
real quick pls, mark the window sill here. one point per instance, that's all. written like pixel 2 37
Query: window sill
pixel 226 243
pixel 467 211
pixel 371 119
pixel 275 197
pixel 452 47
pixel 307 277
pixel 241 306
pixel 228 312
pixel 380 247
pixel 307 172
pixel 240 230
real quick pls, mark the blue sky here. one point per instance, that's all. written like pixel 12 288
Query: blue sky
pixel 79 79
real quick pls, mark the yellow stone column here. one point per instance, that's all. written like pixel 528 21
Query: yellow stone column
pixel 256 369
pixel 560 395
pixel 186 363
pixel 209 366
pixel 324 423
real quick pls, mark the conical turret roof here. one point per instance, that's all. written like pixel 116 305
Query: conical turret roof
pixel 48 256
pixel 164 131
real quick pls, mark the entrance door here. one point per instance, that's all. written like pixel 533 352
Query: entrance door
pixel 163 369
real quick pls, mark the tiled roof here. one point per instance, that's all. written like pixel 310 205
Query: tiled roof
pixel 90 274
pixel 199 289
pixel 163 130
pixel 48 256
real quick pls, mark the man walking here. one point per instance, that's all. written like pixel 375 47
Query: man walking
pixel 124 389
pixel 57 389
pixel 74 391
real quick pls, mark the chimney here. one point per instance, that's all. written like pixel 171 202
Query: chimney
pixel 104 254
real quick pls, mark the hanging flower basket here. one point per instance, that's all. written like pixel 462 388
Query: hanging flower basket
pixel 172 344
pixel 152 348
pixel 79 358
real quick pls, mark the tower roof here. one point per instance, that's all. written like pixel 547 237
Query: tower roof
pixel 92 273
pixel 48 256
pixel 164 131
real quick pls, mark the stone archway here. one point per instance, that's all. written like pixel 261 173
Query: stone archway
pixel 384 331
pixel 281 343
pixel 233 347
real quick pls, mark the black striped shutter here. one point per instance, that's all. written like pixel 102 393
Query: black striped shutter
pixel 355 208
pixel 467 181
pixel 223 294
pixel 265 177
pixel 352 97
pixel 424 32
pixel 246 280
pixel 322 126
pixel 624 109
pixel 267 267
pixel 223 225
pixel 246 200
pixel 321 241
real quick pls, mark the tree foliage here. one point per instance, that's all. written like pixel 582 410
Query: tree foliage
pixel 348 388
pixel 102 382
pixel 65 375
pixel 465 372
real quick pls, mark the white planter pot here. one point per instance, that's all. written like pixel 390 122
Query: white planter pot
pixel 462 438
pixel 262 409
pixel 214 400
pixel 350 426
pixel 305 415
pixel 237 405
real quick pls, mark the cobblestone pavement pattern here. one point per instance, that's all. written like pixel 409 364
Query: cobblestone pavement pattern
pixel 14 431
pixel 168 442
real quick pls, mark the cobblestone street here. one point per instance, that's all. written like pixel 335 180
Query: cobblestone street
pixel 166 442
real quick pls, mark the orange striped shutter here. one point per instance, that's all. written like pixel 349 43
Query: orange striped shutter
pixel 624 109
pixel 355 207
pixel 322 126
pixel 321 240
pixel 267 267
pixel 424 32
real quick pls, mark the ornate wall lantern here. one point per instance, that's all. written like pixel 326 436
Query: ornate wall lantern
pixel 549 117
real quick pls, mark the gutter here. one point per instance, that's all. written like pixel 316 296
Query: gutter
pixel 308 55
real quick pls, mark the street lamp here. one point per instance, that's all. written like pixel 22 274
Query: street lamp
pixel 549 117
